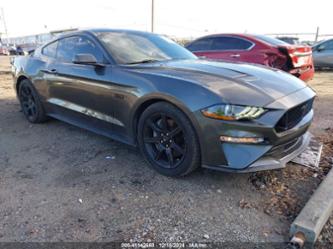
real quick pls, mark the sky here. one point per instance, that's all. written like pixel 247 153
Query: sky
pixel 178 18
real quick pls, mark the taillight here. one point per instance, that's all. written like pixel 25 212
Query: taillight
pixel 293 56
pixel 299 56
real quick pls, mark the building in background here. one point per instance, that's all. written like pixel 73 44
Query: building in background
pixel 30 42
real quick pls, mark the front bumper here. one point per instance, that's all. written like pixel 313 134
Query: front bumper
pixel 277 149
pixel 272 160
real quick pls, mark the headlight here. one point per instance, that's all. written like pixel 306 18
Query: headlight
pixel 233 112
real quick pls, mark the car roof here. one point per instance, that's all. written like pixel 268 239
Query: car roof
pixel 246 36
pixel 101 30
pixel 254 38
pixel 250 37
pixel 92 31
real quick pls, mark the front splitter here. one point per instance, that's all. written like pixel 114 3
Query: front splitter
pixel 267 162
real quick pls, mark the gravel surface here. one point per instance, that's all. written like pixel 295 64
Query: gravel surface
pixel 62 183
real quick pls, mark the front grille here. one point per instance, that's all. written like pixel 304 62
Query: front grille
pixel 293 116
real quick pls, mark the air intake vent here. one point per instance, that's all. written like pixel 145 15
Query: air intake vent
pixel 293 116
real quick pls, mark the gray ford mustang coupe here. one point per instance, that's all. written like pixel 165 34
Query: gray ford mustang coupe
pixel 181 112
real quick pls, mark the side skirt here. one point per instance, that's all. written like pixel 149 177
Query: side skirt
pixel 91 124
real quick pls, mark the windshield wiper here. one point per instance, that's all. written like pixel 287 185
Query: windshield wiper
pixel 142 61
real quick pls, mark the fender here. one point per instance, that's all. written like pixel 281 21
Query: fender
pixel 149 99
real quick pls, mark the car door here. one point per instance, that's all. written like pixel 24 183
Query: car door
pixel 323 54
pixel 82 93
pixel 43 58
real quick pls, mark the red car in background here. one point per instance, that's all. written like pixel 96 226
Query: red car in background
pixel 260 49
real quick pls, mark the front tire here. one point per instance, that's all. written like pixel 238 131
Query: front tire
pixel 168 140
pixel 31 105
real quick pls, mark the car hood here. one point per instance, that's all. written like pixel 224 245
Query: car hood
pixel 236 83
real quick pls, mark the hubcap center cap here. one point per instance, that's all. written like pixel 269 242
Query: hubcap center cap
pixel 165 140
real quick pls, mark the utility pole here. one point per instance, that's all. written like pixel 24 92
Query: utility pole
pixel 317 34
pixel 4 23
pixel 152 15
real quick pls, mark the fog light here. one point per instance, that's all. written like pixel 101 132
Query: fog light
pixel 243 140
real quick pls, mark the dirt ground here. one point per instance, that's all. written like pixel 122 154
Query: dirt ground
pixel 62 183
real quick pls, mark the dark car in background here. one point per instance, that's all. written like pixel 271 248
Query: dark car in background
pixel 28 48
pixel 24 49
pixel 19 50
pixel 182 112
pixel 323 54
pixel 9 49
pixel 259 49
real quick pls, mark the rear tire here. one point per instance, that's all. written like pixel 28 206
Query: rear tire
pixel 30 102
pixel 168 140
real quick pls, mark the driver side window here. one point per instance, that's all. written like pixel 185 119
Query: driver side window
pixel 69 47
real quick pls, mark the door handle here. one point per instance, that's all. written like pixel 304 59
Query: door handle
pixel 50 71
pixel 235 55
pixel 53 71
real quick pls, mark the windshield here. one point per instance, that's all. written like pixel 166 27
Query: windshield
pixel 271 41
pixel 130 48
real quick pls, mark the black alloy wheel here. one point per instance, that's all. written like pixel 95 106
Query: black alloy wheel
pixel 167 140
pixel 31 106
pixel 164 140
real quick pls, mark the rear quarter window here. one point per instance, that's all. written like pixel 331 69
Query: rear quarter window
pixel 50 50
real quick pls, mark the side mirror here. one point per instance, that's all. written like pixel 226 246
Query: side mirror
pixel 29 52
pixel 321 48
pixel 85 59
